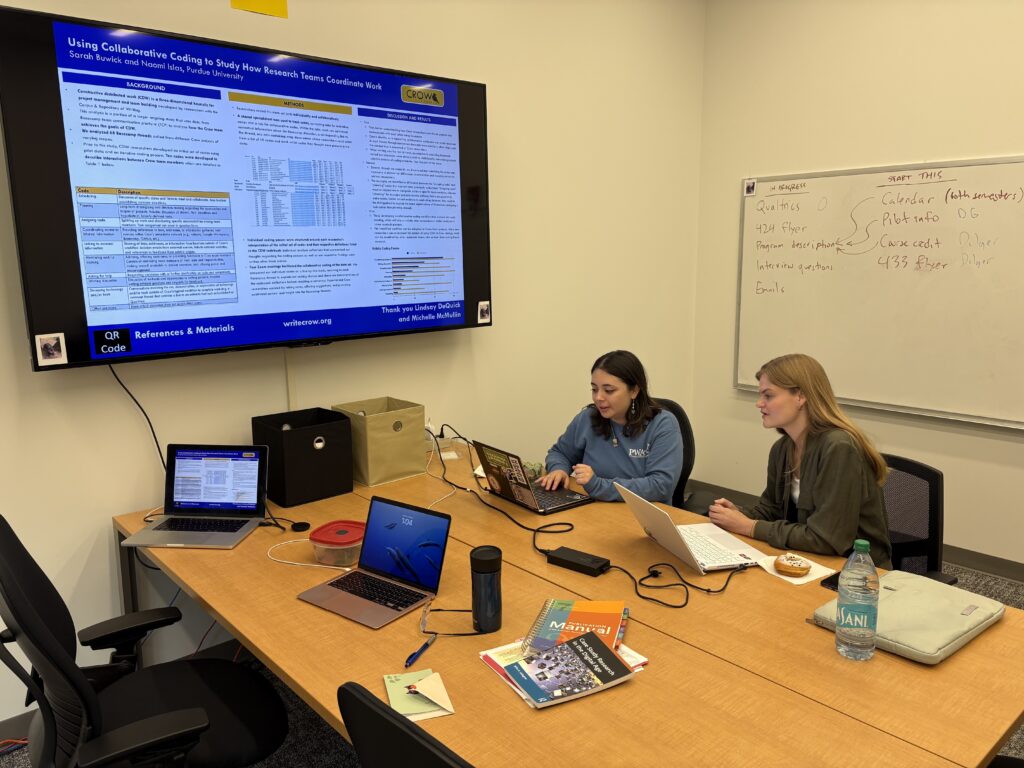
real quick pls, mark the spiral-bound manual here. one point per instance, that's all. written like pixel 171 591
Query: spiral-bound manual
pixel 561 620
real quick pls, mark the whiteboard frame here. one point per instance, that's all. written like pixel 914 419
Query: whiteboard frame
pixel 886 407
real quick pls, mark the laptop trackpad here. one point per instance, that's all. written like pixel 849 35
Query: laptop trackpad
pixel 351 606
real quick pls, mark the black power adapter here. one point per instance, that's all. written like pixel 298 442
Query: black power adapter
pixel 574 560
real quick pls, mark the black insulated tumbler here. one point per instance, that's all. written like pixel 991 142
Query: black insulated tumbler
pixel 485 563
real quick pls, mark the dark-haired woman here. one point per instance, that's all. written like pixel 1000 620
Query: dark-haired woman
pixel 623 437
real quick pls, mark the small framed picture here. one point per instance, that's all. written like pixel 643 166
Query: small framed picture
pixel 749 187
pixel 50 349
pixel 483 312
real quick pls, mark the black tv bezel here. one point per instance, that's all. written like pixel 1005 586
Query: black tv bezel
pixel 40 184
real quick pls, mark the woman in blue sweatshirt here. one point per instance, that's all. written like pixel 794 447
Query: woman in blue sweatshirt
pixel 623 437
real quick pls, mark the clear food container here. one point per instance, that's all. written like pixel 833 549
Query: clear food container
pixel 338 542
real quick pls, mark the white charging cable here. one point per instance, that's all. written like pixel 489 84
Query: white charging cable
pixel 293 562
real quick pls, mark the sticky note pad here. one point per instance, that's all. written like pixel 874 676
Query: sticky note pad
pixel 268 7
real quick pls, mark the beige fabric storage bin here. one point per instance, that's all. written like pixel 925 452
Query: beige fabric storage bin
pixel 387 439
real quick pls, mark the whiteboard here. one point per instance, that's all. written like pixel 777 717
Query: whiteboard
pixel 907 283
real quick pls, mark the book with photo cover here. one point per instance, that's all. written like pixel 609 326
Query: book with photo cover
pixel 560 620
pixel 577 667
pixel 500 657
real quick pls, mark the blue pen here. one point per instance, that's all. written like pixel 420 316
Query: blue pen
pixel 419 651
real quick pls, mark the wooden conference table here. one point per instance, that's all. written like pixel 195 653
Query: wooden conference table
pixel 734 679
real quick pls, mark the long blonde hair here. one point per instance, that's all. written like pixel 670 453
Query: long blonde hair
pixel 804 373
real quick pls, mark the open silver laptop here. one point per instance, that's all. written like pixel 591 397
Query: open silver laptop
pixel 399 565
pixel 214 496
pixel 697 550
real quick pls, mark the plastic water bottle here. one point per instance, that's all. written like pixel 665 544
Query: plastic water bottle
pixel 857 607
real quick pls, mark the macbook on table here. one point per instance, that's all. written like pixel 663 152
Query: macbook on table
pixel 214 496
pixel 506 478
pixel 399 565
pixel 693 547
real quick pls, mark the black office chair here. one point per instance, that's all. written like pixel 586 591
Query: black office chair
pixel 913 500
pixel 693 499
pixel 383 738
pixel 679 496
pixel 202 712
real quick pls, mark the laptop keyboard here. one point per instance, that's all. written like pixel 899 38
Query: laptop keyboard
pixel 551 499
pixel 201 524
pixel 707 551
pixel 376 590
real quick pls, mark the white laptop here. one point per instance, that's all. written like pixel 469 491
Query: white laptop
pixel 691 545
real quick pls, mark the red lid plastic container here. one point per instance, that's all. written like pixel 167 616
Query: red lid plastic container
pixel 338 542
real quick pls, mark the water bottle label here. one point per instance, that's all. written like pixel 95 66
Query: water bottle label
pixel 856 616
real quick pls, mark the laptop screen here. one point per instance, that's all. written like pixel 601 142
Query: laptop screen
pixel 216 479
pixel 405 543
pixel 505 474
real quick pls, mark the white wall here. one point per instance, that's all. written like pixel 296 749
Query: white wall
pixel 594 115
pixel 808 85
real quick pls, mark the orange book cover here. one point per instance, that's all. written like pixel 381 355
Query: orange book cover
pixel 561 620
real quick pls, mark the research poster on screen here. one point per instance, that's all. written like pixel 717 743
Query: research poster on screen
pixel 224 197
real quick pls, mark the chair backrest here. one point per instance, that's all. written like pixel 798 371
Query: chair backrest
pixel 383 738
pixel 679 495
pixel 38 618
pixel 913 502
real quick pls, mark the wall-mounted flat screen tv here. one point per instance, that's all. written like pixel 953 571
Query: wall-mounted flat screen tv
pixel 176 196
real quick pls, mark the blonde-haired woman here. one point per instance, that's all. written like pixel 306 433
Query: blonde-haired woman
pixel 824 476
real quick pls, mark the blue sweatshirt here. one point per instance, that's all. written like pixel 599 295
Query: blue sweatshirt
pixel 649 464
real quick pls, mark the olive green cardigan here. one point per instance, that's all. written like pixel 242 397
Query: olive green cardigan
pixel 840 500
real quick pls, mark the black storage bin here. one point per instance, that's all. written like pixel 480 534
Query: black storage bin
pixel 310 454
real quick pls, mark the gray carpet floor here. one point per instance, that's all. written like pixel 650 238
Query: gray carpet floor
pixel 311 743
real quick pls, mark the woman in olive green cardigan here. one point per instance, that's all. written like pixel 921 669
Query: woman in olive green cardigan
pixel 824 476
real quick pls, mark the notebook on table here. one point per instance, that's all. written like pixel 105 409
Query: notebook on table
pixel 695 548
pixel 214 496
pixel 506 477
pixel 399 565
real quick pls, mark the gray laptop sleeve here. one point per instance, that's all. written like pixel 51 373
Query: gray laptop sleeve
pixel 923 619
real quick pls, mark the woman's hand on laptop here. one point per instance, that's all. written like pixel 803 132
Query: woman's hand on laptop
pixel 554 479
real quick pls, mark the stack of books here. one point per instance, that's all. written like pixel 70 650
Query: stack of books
pixel 561 620
pixel 573 648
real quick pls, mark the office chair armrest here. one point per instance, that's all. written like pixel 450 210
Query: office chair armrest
pixel 701 495
pixel 178 730
pixel 123 632
pixel 699 500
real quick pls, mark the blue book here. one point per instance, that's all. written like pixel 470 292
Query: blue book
pixel 579 666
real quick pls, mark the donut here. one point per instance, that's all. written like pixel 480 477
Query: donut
pixel 792 565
